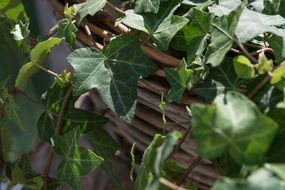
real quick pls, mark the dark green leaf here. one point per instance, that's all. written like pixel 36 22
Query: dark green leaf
pixel 232 124
pixel 178 80
pixel 251 24
pixel 278 45
pixel 274 7
pixel 90 7
pixel 77 161
pixel 194 34
pixel 67 30
pixel 222 36
pixel 107 73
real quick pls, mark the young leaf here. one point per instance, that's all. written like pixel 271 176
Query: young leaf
pixel 178 80
pixel 222 36
pixel 193 34
pixel 264 65
pixel 277 74
pixel 252 24
pixel 67 30
pixel 243 67
pixel 77 161
pixel 235 125
pixel 107 73
pixel 90 7
pixel 36 56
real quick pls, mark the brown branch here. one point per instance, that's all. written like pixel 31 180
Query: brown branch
pixel 244 50
pixel 195 162
pixel 57 132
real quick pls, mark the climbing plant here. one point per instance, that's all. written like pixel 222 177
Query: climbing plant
pixel 232 55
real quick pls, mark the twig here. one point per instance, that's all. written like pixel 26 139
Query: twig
pixel 242 48
pixel 46 70
pixel 195 162
pixel 177 147
pixel 57 132
pixel 170 184
pixel 262 50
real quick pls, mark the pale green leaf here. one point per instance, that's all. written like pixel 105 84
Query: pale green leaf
pixel 107 73
pixel 224 7
pixel 67 30
pixel 14 10
pixel 264 65
pixel 277 74
pixel 232 124
pixel 90 7
pixel 144 6
pixel 36 56
pixel 243 67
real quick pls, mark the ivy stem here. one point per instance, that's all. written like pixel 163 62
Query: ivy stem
pixel 57 132
pixel 170 184
pixel 195 162
pixel 47 70
pixel 177 147
pixel 244 50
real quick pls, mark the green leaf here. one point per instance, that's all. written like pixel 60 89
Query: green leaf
pixel 14 10
pixel 161 26
pixel 220 79
pixel 277 43
pixel 153 161
pixel 277 169
pixel 67 30
pixel 224 7
pixel 274 7
pixel 178 80
pixel 251 24
pixel 72 118
pixel 107 73
pixel 90 7
pixel 243 67
pixel 235 125
pixel 147 6
pixel 193 35
pixel 77 161
pixel 277 74
pixel 222 36
pixel 37 54
pixel 264 65
pixel 260 180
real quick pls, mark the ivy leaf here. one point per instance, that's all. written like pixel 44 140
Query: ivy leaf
pixel 14 10
pixel 90 7
pixel 77 161
pixel 36 56
pixel 193 34
pixel 277 169
pixel 264 65
pixel 107 73
pixel 161 26
pixel 220 79
pixel 252 24
pixel 261 179
pixel 178 80
pixel 222 38
pixel 224 7
pixel 232 124
pixel 147 6
pixel 153 161
pixel 243 67
pixel 277 74
pixel 274 7
pixel 67 30
pixel 277 43
pixel 72 118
